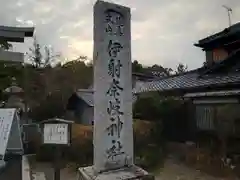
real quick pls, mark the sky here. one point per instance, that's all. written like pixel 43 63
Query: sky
pixel 163 31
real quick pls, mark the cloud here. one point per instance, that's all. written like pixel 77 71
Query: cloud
pixel 163 32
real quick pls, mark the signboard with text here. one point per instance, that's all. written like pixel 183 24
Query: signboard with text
pixel 6 120
pixel 56 134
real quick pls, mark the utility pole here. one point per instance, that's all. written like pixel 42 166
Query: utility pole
pixel 229 11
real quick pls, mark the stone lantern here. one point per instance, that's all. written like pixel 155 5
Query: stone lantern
pixel 15 96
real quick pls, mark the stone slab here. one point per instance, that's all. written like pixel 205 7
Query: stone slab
pixel 113 132
pixel 128 173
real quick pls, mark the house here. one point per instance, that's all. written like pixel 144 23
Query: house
pixel 80 107
pixel 211 92
pixel 221 72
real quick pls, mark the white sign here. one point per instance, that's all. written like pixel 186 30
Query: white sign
pixel 56 134
pixel 6 119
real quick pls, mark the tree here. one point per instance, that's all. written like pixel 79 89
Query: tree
pixel 169 71
pixel 59 83
pixel 8 69
pixel 39 73
pixel 181 68
pixel 50 107
pixel 77 74
pixel 36 56
pixel 41 58
pixel 158 70
pixel 141 111
pixel 137 67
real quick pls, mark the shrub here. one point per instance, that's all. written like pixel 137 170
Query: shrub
pixel 147 144
pixel 148 148
pixel 149 112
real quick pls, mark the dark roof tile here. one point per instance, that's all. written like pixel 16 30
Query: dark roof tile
pixel 187 81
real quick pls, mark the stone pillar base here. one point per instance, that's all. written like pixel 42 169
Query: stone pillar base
pixel 130 173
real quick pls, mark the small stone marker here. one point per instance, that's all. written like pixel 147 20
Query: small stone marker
pixel 113 131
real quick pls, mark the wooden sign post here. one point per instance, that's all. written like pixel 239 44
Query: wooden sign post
pixel 57 133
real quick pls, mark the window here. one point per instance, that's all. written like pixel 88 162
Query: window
pixel 205 117
pixel 219 55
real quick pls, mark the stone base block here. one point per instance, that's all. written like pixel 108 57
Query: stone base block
pixel 129 173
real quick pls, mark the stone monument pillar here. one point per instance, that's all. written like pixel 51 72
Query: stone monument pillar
pixel 113 139
pixel 113 131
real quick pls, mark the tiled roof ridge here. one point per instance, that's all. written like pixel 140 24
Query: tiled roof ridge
pixel 181 74
pixel 85 90
pixel 189 81
pixel 219 34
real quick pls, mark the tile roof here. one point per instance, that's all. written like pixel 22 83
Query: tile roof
pixel 235 28
pixel 56 119
pixel 87 96
pixel 187 81
pixel 213 93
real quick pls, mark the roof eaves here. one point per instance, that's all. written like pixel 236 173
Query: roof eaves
pixel 28 31
pixel 214 37
pixel 57 120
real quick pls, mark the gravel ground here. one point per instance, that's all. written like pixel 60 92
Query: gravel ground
pixel 177 171
pixel 44 171
pixel 171 171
